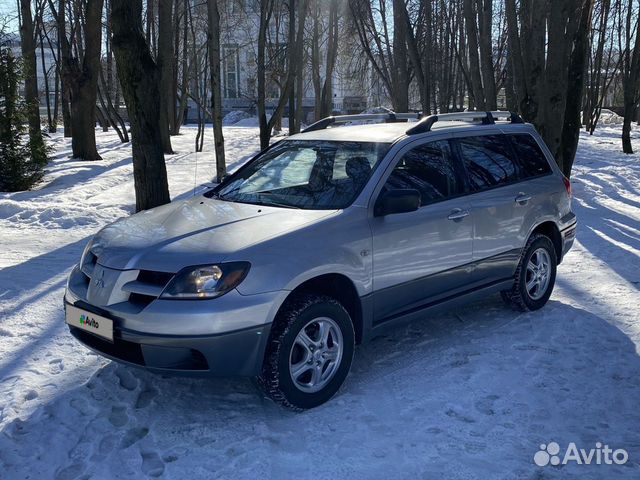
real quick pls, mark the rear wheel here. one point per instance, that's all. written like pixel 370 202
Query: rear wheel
pixel 535 276
pixel 309 352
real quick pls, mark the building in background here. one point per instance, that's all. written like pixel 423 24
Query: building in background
pixel 45 62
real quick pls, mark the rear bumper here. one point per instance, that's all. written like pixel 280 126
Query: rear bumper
pixel 233 353
pixel 568 236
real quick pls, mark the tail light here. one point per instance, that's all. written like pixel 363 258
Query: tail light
pixel 567 185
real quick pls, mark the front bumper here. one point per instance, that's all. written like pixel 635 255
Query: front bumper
pixel 233 353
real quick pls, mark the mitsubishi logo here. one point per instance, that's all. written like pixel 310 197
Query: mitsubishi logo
pixel 99 281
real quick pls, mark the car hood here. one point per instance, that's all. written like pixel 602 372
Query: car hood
pixel 193 232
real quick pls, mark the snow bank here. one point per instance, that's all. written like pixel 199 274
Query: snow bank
pixel 234 117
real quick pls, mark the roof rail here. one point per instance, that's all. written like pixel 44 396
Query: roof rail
pixel 389 117
pixel 487 118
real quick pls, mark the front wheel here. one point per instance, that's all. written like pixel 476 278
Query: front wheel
pixel 309 352
pixel 535 275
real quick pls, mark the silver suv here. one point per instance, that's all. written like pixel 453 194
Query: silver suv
pixel 321 242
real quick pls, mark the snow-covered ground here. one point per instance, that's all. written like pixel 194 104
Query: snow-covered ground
pixel 471 394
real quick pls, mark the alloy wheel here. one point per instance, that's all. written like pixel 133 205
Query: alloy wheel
pixel 316 354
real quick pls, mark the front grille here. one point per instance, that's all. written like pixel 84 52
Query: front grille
pixel 155 278
pixel 147 286
pixel 140 300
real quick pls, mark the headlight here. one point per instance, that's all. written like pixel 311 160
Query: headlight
pixel 206 281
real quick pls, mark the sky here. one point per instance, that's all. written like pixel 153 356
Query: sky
pixel 9 14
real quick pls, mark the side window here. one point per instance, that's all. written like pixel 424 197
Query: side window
pixel 488 161
pixel 532 160
pixel 428 168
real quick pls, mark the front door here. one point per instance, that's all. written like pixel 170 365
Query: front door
pixel 420 255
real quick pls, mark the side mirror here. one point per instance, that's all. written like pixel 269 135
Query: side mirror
pixel 397 201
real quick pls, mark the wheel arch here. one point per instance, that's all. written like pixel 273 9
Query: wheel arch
pixel 340 287
pixel 551 230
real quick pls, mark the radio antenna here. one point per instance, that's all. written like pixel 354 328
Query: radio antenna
pixel 195 174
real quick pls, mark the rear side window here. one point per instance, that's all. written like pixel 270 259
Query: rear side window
pixel 488 161
pixel 428 168
pixel 531 158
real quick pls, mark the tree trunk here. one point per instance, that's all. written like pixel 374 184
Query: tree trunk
pixel 139 77
pixel 326 95
pixel 293 66
pixel 315 61
pixel 116 119
pixel 103 121
pixel 266 127
pixel 186 71
pixel 80 75
pixel 51 120
pixel 166 63
pixel 486 53
pixel 414 56
pixel 66 110
pixel 83 125
pixel 626 129
pixel 474 61
pixel 265 15
pixel 428 58
pixel 85 91
pixel 216 90
pixel 400 97
pixel 554 95
pixel 28 45
pixel 575 87
pixel 630 81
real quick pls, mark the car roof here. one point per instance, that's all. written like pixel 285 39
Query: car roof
pixel 391 132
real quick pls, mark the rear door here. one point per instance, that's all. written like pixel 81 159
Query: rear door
pixel 544 188
pixel 499 203
pixel 420 255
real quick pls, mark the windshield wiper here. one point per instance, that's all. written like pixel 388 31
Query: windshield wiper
pixel 217 195
pixel 277 204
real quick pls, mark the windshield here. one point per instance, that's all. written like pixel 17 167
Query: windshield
pixel 314 175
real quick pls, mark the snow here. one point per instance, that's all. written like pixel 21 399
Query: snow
pixel 234 117
pixel 470 394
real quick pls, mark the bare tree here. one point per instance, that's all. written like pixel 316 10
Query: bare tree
pixel 630 74
pixel 48 71
pixel 140 79
pixel 548 58
pixel 216 90
pixel 267 8
pixel 166 62
pixel 603 61
pixel 28 46
pixel 400 72
pixel 323 87
pixel 80 71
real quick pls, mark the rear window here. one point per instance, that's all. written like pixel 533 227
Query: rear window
pixel 530 155
pixel 488 161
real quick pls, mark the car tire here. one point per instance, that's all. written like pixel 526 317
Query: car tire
pixel 309 353
pixel 535 276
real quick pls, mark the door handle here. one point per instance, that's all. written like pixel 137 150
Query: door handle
pixel 522 198
pixel 457 214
